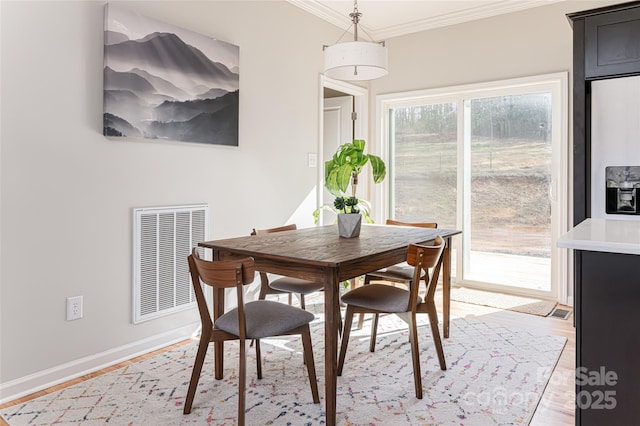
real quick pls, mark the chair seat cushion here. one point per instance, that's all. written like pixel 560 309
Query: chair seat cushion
pixel 396 272
pixel 296 285
pixel 379 297
pixel 265 318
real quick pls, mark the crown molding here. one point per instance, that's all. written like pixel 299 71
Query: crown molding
pixel 317 8
pixel 323 12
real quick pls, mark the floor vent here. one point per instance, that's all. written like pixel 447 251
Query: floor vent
pixel 560 313
pixel 163 238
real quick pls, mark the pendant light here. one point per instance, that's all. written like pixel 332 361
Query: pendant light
pixel 355 60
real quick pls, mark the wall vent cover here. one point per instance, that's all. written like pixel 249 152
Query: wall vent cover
pixel 163 239
pixel 560 313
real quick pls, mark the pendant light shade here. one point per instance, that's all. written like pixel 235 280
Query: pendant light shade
pixel 355 60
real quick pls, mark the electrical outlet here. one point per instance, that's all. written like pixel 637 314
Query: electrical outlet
pixel 74 308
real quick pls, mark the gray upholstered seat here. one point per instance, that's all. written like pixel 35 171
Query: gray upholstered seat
pixel 379 297
pixel 264 318
pixel 295 285
pixel 401 272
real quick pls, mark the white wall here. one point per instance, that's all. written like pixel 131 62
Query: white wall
pixel 520 44
pixel 67 192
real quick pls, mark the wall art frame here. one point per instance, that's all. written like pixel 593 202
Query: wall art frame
pixel 168 83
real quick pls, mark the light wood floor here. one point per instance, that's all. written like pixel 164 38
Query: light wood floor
pixel 555 408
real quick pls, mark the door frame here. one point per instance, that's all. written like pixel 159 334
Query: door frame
pixel 338 122
pixel 561 288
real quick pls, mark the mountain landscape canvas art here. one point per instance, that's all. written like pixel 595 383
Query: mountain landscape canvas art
pixel 168 83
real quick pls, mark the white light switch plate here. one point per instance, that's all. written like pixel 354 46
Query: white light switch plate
pixel 312 159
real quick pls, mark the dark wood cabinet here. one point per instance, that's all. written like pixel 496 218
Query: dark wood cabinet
pixel 606 44
pixel 608 339
pixel 612 44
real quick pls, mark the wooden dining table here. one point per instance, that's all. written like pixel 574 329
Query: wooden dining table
pixel 319 254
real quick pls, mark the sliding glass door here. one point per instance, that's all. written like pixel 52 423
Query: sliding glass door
pixel 509 181
pixel 487 159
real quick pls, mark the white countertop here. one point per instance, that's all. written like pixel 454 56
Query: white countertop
pixel 613 236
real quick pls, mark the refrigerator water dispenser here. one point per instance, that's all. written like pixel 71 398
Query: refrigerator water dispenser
pixel 623 188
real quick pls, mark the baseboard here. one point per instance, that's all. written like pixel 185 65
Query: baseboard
pixel 35 382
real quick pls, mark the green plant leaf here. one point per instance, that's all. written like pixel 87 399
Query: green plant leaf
pixel 341 171
pixel 366 215
pixel 337 179
pixel 316 212
pixel 343 176
pixel 328 167
pixel 378 167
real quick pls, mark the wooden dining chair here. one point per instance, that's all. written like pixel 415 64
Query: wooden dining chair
pixel 401 273
pixel 289 285
pixel 284 284
pixel 380 298
pixel 253 320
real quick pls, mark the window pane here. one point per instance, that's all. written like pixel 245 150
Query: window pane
pixel 424 164
pixel 510 178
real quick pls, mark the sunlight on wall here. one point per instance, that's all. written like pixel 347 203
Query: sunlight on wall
pixel 303 215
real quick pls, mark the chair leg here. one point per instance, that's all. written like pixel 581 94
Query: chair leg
pixel 367 280
pixel 435 331
pixel 311 368
pixel 415 355
pixel 302 305
pixel 263 292
pixel 374 332
pixel 361 321
pixel 258 358
pixel 290 299
pixel 195 374
pixel 242 382
pixel 263 296
pixel 348 320
pixel 340 324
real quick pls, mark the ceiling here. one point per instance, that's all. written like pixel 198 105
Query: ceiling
pixel 391 18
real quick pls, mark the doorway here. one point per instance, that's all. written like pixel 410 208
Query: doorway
pixel 337 129
pixel 343 118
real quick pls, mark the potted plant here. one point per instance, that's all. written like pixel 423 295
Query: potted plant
pixel 340 172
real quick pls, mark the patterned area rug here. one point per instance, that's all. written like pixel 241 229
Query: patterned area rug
pixel 503 301
pixel 495 376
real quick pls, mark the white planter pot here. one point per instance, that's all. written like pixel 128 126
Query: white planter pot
pixel 349 225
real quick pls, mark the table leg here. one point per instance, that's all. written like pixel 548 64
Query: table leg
pixel 446 287
pixel 218 347
pixel 218 309
pixel 332 310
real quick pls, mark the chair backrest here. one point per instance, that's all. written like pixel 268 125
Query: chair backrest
pixel 264 278
pixel 417 224
pixel 423 258
pixel 290 227
pixel 224 273
pixel 219 275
